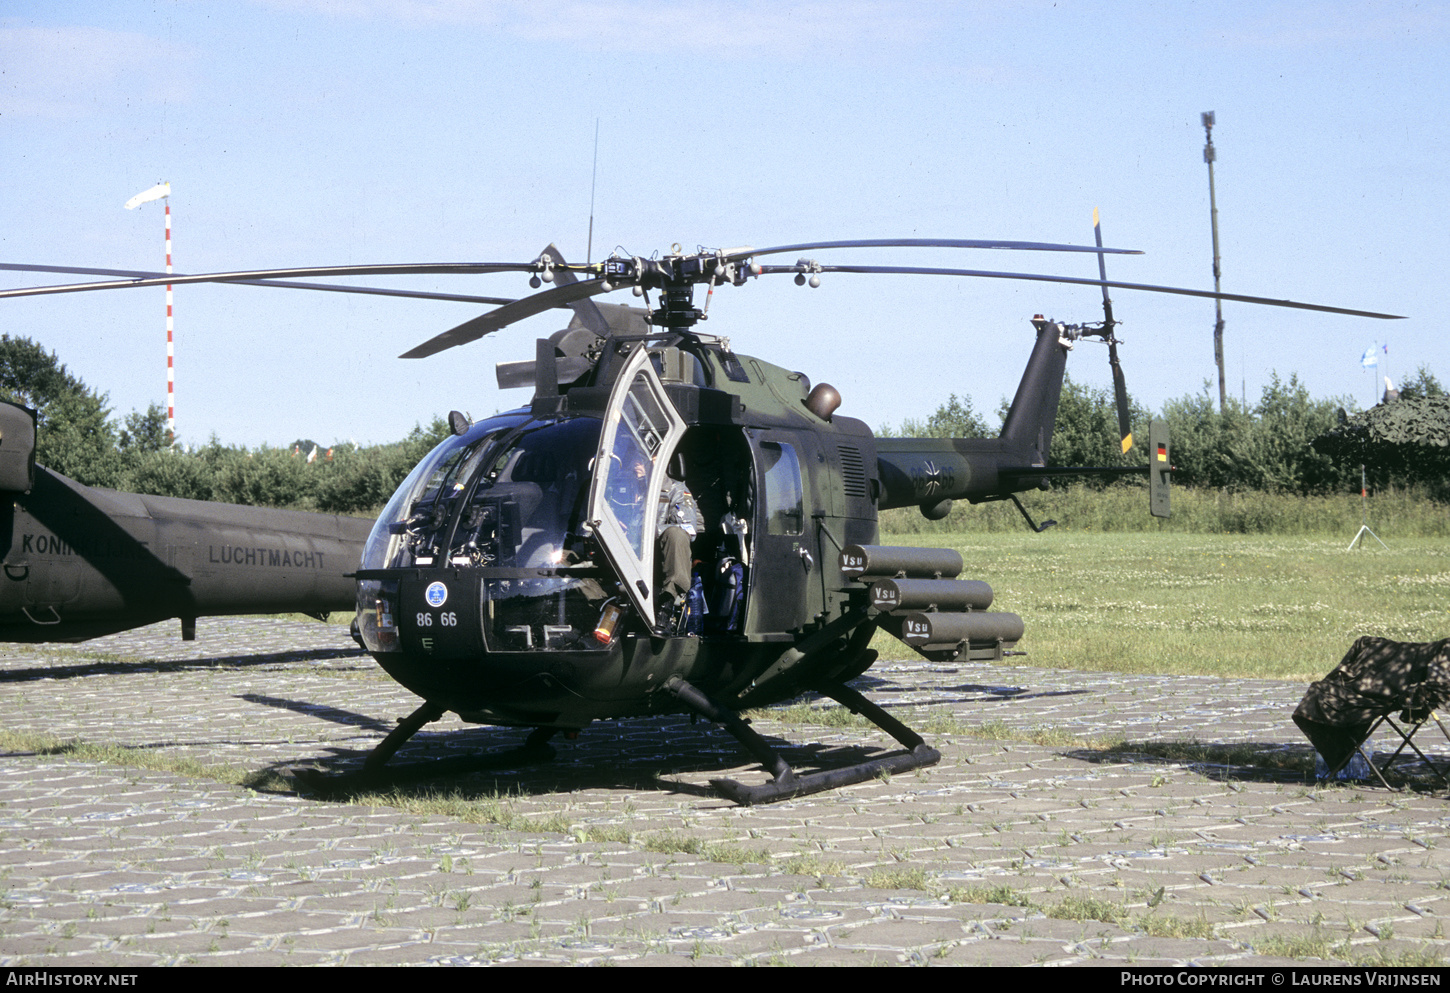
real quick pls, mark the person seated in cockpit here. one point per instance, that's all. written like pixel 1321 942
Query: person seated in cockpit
pixel 626 494
pixel 680 521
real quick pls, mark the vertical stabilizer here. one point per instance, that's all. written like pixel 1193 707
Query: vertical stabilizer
pixel 1034 409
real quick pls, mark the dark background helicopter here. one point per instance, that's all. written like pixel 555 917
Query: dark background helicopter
pixel 515 577
pixel 80 562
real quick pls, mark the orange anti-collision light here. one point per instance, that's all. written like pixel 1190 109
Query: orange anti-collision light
pixel 608 620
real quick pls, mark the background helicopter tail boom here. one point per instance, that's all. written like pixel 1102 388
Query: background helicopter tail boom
pixel 81 562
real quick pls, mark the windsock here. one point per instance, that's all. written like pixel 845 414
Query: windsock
pixel 158 192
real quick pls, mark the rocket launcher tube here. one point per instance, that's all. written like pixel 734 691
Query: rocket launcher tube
pixel 933 594
pixel 932 629
pixel 867 562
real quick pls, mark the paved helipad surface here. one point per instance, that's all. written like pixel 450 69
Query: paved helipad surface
pixel 1006 853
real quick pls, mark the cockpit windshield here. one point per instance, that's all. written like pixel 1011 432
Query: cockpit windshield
pixel 525 496
pixel 546 521
pixel 509 498
pixel 440 470
pixel 523 518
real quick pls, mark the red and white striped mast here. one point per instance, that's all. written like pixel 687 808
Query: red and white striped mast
pixel 162 191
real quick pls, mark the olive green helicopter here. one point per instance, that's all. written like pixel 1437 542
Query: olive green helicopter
pixel 670 526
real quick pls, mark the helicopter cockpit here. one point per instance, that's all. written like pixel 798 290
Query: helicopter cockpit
pixel 504 501
pixel 519 534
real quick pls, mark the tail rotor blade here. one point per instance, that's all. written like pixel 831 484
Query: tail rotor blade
pixel 1103 271
pixel 1120 394
pixel 1120 386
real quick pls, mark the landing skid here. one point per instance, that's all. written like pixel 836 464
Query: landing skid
pixel 375 773
pixel 785 782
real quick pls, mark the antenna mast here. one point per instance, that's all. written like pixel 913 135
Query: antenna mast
pixel 593 182
pixel 1208 156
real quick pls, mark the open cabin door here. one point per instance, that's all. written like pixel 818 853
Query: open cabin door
pixel 641 430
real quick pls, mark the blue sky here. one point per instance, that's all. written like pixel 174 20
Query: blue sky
pixel 305 132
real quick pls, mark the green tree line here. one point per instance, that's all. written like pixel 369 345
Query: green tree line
pixel 1263 447
pixel 1260 447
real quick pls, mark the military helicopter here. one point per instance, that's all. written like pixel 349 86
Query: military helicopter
pixel 81 562
pixel 520 574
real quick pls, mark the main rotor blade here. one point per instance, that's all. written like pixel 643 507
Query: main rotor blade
pixel 286 284
pixel 559 296
pixel 1026 246
pixel 403 269
pixel 1074 280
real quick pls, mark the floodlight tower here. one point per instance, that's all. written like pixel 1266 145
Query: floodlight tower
pixel 162 191
pixel 1208 156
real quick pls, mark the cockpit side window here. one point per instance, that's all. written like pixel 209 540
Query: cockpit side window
pixel 626 487
pixel 643 414
pixel 642 426
pixel 784 503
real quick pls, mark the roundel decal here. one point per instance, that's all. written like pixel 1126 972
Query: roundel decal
pixel 436 594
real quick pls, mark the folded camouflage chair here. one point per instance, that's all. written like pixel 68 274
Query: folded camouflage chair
pixel 1376 678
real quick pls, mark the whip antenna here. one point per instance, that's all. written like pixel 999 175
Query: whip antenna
pixel 593 182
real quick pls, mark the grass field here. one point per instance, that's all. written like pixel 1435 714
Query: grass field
pixel 1261 606
pixel 1124 507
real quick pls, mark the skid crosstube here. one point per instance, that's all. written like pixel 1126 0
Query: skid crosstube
pixel 376 773
pixel 785 782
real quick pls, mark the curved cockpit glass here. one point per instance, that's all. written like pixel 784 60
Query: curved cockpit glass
pixel 523 498
pixel 526 512
pixel 388 544
pixel 508 498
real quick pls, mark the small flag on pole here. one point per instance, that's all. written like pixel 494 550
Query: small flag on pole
pixel 1370 359
pixel 158 192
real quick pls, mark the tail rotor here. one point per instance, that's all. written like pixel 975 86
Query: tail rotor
pixel 1159 468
